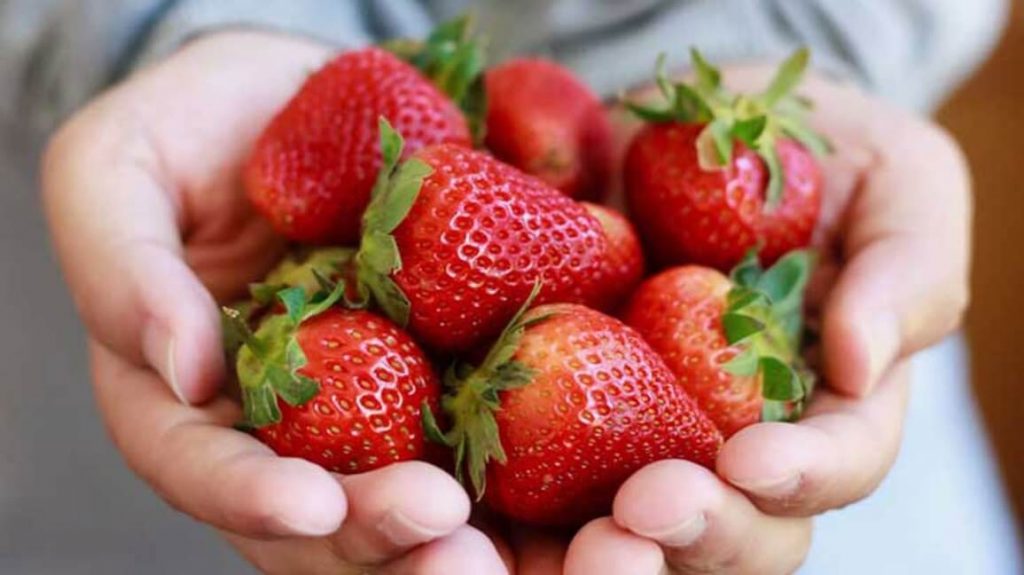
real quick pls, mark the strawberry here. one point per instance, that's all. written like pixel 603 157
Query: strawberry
pixel 454 240
pixel 732 342
pixel 546 122
pixel 623 264
pixel 714 174
pixel 312 169
pixel 340 387
pixel 566 406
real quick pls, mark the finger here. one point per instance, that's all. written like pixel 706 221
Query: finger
pixel 115 227
pixel 706 526
pixel 396 508
pixel 202 467
pixel 466 551
pixel 603 548
pixel 836 455
pixel 906 247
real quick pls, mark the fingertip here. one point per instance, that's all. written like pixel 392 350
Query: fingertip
pixel 465 551
pixel 772 460
pixel 667 501
pixel 181 339
pixel 602 548
pixel 416 500
pixel 292 497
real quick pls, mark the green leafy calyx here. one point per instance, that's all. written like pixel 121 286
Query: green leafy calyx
pixel 453 59
pixel 393 195
pixel 313 270
pixel 764 319
pixel 758 121
pixel 269 361
pixel 473 398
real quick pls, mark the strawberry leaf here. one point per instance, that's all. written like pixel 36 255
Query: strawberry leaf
pixel 709 79
pixel 749 130
pixel 786 79
pixel 260 406
pixel 781 382
pixel 294 301
pixel 431 429
pixel 474 397
pixel 714 145
pixel 739 327
pixel 745 364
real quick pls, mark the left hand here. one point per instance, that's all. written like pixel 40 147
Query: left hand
pixel 892 276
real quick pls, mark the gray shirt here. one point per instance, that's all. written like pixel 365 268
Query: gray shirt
pixel 56 54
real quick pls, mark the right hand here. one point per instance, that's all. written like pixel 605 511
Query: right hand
pixel 152 228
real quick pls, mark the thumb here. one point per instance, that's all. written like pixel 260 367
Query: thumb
pixel 114 223
pixel 904 284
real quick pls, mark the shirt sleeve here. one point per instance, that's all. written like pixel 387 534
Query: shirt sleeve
pixel 57 54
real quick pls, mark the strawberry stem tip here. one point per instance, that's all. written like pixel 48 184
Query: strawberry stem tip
pixel 757 121
pixel 393 196
pixel 269 360
pixel 453 59
pixel 764 318
pixel 473 400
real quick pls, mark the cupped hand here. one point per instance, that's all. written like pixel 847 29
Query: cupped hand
pixel 152 228
pixel 894 250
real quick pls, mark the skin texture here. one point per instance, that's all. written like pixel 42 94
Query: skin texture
pixel 373 382
pixel 169 217
pixel 601 405
pixel 679 312
pixel 546 122
pixel 624 264
pixel 690 215
pixel 477 239
pixel 312 169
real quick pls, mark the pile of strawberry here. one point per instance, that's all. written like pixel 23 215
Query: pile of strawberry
pixel 455 302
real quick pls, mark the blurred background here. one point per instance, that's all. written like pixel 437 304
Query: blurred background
pixel 68 505
pixel 987 116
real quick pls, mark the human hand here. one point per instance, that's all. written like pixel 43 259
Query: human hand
pixel 892 279
pixel 152 228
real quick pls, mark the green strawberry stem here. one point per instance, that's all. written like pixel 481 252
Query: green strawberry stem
pixel 268 361
pixel 473 400
pixel 305 269
pixel 764 318
pixel 393 196
pixel 454 61
pixel 758 121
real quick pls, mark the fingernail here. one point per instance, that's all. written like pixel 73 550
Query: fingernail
pixel 772 488
pixel 682 534
pixel 883 338
pixel 158 346
pixel 404 532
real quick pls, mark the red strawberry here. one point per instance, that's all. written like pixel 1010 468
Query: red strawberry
pixel 733 343
pixel 454 240
pixel 623 266
pixel 311 171
pixel 565 407
pixel 546 122
pixel 715 174
pixel 351 385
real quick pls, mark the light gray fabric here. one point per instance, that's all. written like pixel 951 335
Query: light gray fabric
pixel 56 54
